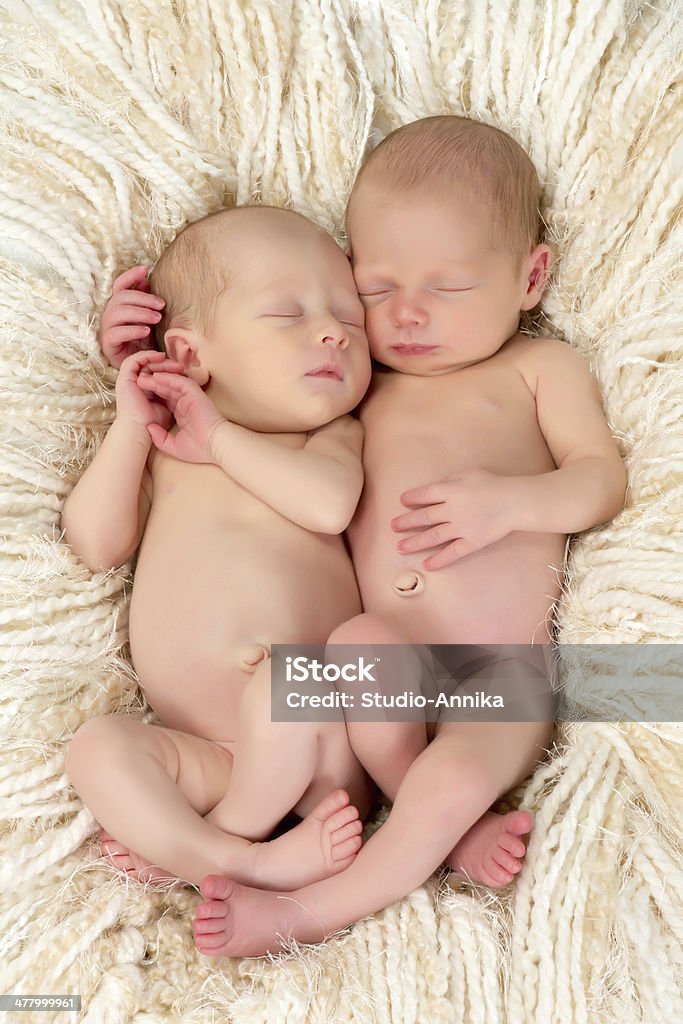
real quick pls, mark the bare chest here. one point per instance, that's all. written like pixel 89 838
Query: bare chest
pixel 418 430
pixel 422 430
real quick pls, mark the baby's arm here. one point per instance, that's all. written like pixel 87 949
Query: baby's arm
pixel 589 484
pixel 316 486
pixel 476 508
pixel 105 514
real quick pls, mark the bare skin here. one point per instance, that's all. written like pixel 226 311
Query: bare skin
pixel 238 512
pixel 483 450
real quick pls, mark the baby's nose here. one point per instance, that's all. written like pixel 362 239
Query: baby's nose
pixel 337 339
pixel 406 311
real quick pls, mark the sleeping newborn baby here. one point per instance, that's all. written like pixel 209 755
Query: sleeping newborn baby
pixel 238 513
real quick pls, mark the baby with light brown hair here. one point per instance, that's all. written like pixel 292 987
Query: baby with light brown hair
pixel 236 514
pixel 496 446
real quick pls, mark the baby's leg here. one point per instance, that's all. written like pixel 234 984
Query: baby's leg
pixel 385 748
pixel 278 766
pixel 150 787
pixel 446 789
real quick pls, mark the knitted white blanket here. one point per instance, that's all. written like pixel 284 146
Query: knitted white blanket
pixel 122 121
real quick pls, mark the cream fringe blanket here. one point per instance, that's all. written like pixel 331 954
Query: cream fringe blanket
pixel 120 122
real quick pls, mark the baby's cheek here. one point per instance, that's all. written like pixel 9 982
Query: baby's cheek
pixel 373 328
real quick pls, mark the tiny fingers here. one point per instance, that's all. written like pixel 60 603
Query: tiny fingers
pixel 129 279
pixel 427 539
pixel 130 332
pixel 429 495
pixel 164 381
pixel 428 515
pixel 450 554
pixel 136 312
pixel 159 435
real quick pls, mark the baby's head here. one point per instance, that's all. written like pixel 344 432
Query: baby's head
pixel 444 228
pixel 261 306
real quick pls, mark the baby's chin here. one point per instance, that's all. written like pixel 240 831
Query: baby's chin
pixel 305 419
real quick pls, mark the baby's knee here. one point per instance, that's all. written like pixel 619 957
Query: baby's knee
pixel 87 745
pixel 388 740
pixel 469 781
pixel 365 629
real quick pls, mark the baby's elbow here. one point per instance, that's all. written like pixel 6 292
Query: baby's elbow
pixel 615 488
pixel 331 522
pixel 621 488
pixel 98 557
pixel 338 511
pixel 333 517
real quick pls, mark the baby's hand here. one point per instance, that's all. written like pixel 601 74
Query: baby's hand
pixel 122 327
pixel 195 414
pixel 466 513
pixel 132 402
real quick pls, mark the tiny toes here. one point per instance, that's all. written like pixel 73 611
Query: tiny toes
pixel 352 830
pixel 346 849
pixel 512 844
pixel 506 862
pixel 347 816
pixel 208 926
pixel 519 822
pixel 211 909
pixel 216 887
pixel 499 875
pixel 210 943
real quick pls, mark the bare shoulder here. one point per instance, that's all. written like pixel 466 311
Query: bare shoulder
pixel 568 400
pixel 538 358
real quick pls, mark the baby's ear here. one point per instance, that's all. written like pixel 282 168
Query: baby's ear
pixel 537 277
pixel 182 345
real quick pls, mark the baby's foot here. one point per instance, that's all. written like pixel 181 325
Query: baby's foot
pixel 132 864
pixel 491 851
pixel 236 920
pixel 325 842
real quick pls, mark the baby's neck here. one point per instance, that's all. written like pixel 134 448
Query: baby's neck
pixel 287 438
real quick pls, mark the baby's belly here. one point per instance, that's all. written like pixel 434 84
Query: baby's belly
pixel 503 593
pixel 202 605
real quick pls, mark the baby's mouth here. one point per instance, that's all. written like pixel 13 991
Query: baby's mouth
pixel 413 350
pixel 331 370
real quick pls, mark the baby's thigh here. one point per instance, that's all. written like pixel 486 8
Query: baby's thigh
pixel 201 768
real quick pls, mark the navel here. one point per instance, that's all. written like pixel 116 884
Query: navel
pixel 408 583
pixel 250 656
